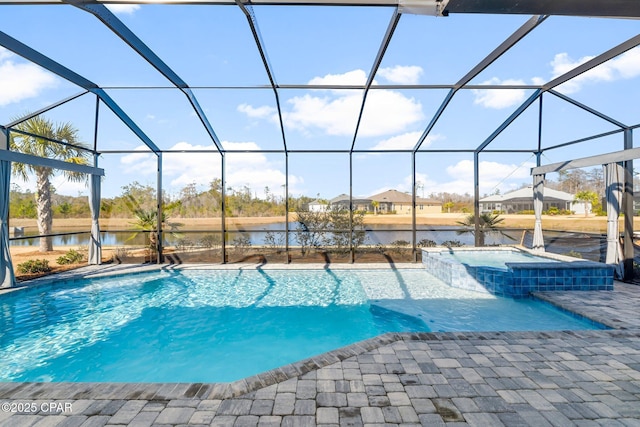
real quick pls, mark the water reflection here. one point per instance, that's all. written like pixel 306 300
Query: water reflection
pixel 265 234
pixel 589 246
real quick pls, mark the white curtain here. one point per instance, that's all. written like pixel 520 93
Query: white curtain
pixel 614 182
pixel 7 278
pixel 95 246
pixel 538 196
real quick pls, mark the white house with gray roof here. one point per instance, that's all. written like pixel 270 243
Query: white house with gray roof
pixel 522 200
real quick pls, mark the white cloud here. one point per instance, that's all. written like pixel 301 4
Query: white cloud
pixel 143 162
pixel 409 74
pixel 625 66
pixel 385 112
pixel 123 9
pixel 499 98
pixel 21 80
pixel 493 175
pixel 262 112
pixel 71 188
pixel 355 77
pixel 5 54
pixel 406 141
pixel 251 169
pixel 335 112
pixel 538 81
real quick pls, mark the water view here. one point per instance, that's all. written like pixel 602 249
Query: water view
pixel 591 246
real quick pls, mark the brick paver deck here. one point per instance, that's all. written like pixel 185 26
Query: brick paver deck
pixel 566 378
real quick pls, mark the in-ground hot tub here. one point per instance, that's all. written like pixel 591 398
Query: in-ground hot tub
pixel 513 272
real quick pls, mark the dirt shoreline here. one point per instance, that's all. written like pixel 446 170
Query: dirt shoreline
pixel 578 223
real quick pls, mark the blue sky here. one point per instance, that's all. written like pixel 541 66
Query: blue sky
pixel 321 45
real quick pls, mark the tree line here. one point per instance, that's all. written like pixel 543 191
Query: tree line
pixel 190 202
pixel 187 203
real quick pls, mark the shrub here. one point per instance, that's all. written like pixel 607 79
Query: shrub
pixel 241 244
pixel 34 266
pixel 184 244
pixel 399 246
pixel 452 243
pixel 210 241
pixel 426 243
pixel 574 254
pixel 121 253
pixel 71 257
pixel 274 241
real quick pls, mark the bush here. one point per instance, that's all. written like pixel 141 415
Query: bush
pixel 574 254
pixel 34 266
pixel 121 253
pixel 426 243
pixel 241 244
pixel 452 243
pixel 184 244
pixel 555 211
pixel 210 241
pixel 399 246
pixel 71 257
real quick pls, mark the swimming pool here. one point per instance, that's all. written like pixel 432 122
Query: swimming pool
pixel 223 325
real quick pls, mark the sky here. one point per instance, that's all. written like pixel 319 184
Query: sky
pixel 212 49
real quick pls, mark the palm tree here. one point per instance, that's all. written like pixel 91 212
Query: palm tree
pixel 588 199
pixel 489 223
pixel 44 147
pixel 146 221
pixel 376 205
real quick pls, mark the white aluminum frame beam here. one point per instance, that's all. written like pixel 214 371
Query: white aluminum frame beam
pixel 14 156
pixel 585 162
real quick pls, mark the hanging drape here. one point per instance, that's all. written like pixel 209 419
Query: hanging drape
pixel 538 196
pixel 614 182
pixel 95 246
pixel 7 278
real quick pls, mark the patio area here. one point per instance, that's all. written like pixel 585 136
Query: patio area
pixel 585 378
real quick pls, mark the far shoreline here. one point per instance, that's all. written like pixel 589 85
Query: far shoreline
pixel 578 223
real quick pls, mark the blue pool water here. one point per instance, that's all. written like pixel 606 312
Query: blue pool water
pixel 223 325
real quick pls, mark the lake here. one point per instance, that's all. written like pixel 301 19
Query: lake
pixel 590 246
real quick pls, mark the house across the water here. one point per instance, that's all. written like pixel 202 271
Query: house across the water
pixel 390 201
pixel 522 200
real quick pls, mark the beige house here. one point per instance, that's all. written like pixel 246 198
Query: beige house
pixel 401 203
